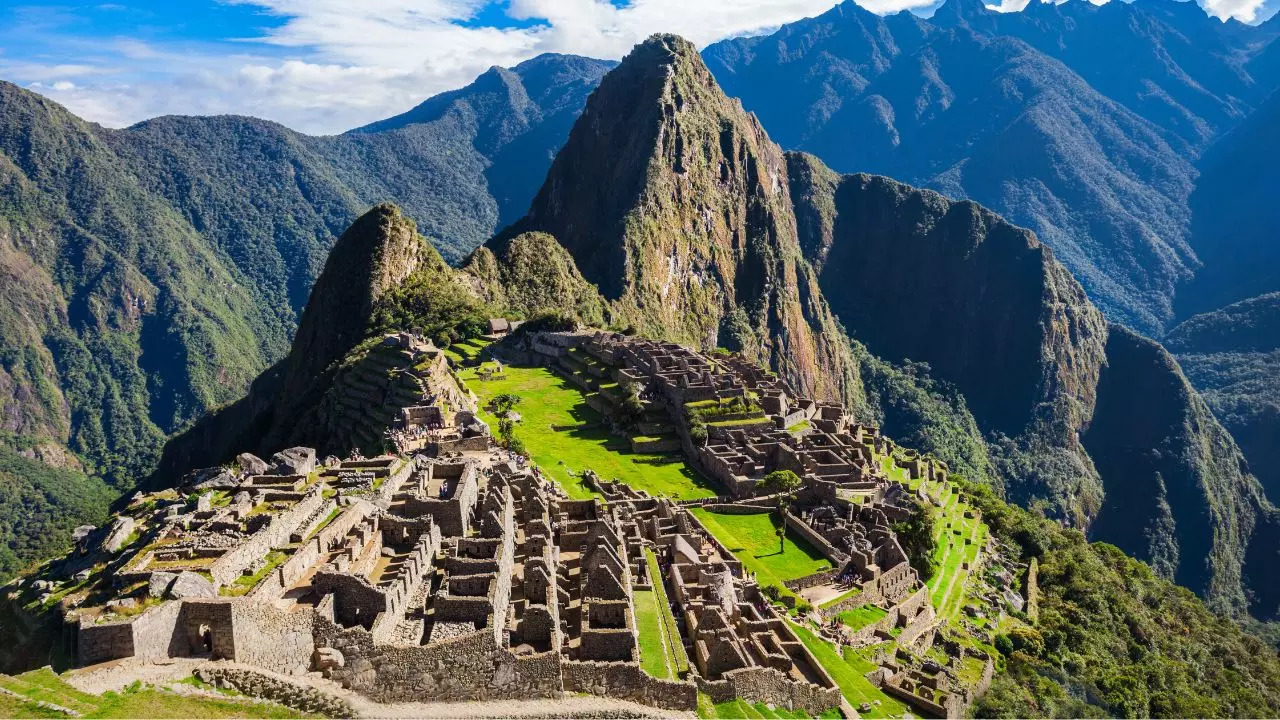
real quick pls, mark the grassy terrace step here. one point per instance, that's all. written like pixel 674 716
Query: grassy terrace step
pixel 564 435
pixel 849 671
pixel 753 540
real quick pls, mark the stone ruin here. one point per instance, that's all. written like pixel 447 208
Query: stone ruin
pixel 452 570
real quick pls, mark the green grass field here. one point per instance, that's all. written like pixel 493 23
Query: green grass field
pixel 677 659
pixel 860 617
pixel 849 671
pixel 563 434
pixel 465 352
pixel 133 702
pixel 753 540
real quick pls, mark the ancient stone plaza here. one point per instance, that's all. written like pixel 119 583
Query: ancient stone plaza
pixel 450 568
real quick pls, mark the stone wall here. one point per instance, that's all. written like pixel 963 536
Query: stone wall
pixel 155 636
pixel 226 569
pixel 802 529
pixel 306 700
pixel 767 685
pixel 108 641
pixel 627 681
pixel 469 667
pixel 819 578
pixel 289 572
pixel 272 639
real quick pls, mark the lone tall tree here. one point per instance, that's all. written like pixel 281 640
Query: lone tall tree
pixel 783 482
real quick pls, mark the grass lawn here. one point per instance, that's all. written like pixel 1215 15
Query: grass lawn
pixel 849 672
pixel 677 658
pixel 738 709
pixel 133 702
pixel 563 434
pixel 464 352
pixel 753 540
pixel 860 617
pixel 653 647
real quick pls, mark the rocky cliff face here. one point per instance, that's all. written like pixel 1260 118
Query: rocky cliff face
pixel 1232 356
pixel 673 201
pixel 916 276
pixel 1178 492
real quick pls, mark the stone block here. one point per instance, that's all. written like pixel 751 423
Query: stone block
pixel 216 479
pixel 160 583
pixel 327 658
pixel 251 464
pixel 294 461
pixel 191 585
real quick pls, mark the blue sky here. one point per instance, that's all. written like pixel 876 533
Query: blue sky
pixel 327 65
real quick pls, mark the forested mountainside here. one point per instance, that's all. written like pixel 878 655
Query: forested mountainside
pixel 1063 399
pixel 1232 356
pixel 1074 120
pixel 1234 215
pixel 1009 341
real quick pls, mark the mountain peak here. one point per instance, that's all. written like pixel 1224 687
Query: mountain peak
pixel 958 12
pixel 670 198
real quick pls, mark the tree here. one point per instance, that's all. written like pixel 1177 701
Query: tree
pixel 781 532
pixel 916 535
pixel 502 404
pixel 783 482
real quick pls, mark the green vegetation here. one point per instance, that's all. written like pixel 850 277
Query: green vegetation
pixel 677 658
pixel 753 539
pixel 1144 647
pixel 565 437
pixel 849 671
pixel 133 702
pixel 861 617
pixel 40 506
pixel 738 709
pixel 245 583
pixel 654 656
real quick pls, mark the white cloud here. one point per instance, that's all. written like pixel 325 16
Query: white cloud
pixel 330 65
pixel 1242 10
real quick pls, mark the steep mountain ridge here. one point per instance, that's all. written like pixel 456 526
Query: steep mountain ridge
pixel 154 271
pixel 1017 337
pixel 379 254
pixel 687 229
pixel 1234 215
